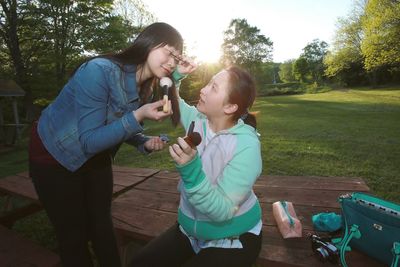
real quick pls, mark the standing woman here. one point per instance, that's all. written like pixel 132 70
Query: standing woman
pixel 219 216
pixel 103 104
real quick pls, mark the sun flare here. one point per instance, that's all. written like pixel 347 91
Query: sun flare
pixel 205 52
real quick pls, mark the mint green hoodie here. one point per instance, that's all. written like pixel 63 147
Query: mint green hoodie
pixel 217 199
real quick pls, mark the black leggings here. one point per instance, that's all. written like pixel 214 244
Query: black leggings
pixel 173 248
pixel 78 205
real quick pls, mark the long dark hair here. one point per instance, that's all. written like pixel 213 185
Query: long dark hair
pixel 242 93
pixel 155 35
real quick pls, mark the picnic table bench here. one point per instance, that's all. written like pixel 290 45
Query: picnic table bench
pixel 146 201
pixel 20 185
pixel 17 251
pixel 13 245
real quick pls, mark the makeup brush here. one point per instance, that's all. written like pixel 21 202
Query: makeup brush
pixel 193 138
pixel 165 84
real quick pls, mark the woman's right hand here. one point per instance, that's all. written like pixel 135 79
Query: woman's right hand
pixel 182 153
pixel 151 111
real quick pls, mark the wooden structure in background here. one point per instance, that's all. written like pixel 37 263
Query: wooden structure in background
pixel 9 90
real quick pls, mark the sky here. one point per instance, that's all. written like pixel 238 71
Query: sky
pixel 290 24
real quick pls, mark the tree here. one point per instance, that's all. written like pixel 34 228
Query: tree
pixel 190 87
pixel 11 17
pixel 245 46
pixel 314 54
pixel 381 23
pixel 74 27
pixel 345 60
pixel 44 40
pixel 300 69
pixel 286 71
pixel 136 12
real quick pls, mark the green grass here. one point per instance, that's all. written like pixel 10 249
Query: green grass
pixel 353 133
pixel 339 133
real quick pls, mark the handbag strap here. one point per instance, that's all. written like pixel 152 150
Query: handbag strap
pixel 353 233
pixel 396 254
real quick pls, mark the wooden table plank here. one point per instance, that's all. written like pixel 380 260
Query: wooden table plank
pixel 298 252
pixel 313 182
pixel 143 224
pixel 148 199
pixel 169 202
pixel 117 188
pixel 159 185
pixel 126 179
pixel 18 251
pixel 19 186
pixel 166 201
pixel 145 172
pixel 311 197
pixel 307 197
pixel 24 174
pixel 167 175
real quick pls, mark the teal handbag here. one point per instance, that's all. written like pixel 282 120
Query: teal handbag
pixel 372 226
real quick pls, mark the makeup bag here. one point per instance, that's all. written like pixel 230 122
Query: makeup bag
pixel 285 216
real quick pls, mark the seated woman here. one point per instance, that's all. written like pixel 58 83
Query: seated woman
pixel 219 216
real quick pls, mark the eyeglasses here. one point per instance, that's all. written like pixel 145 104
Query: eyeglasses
pixel 178 58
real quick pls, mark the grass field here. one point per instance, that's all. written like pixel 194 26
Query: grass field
pixel 354 133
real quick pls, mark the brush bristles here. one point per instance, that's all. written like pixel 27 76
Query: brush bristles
pixel 193 139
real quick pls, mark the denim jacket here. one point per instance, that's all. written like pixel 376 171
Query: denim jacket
pixel 92 113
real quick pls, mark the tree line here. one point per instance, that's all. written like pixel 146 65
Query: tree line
pixel 365 50
pixel 42 41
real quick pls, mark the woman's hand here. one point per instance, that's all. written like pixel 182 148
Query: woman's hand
pixel 182 153
pixel 151 111
pixel 154 144
pixel 186 66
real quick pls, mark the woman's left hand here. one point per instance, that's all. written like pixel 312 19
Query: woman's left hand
pixel 154 144
pixel 182 153
pixel 186 66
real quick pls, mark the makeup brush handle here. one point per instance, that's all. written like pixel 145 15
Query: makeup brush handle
pixel 166 105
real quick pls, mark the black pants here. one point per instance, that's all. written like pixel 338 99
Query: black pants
pixel 78 205
pixel 173 248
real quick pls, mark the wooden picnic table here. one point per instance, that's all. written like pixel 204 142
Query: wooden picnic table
pixel 146 201
pixel 150 208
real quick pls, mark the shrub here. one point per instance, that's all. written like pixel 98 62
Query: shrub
pixel 42 102
pixel 289 88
